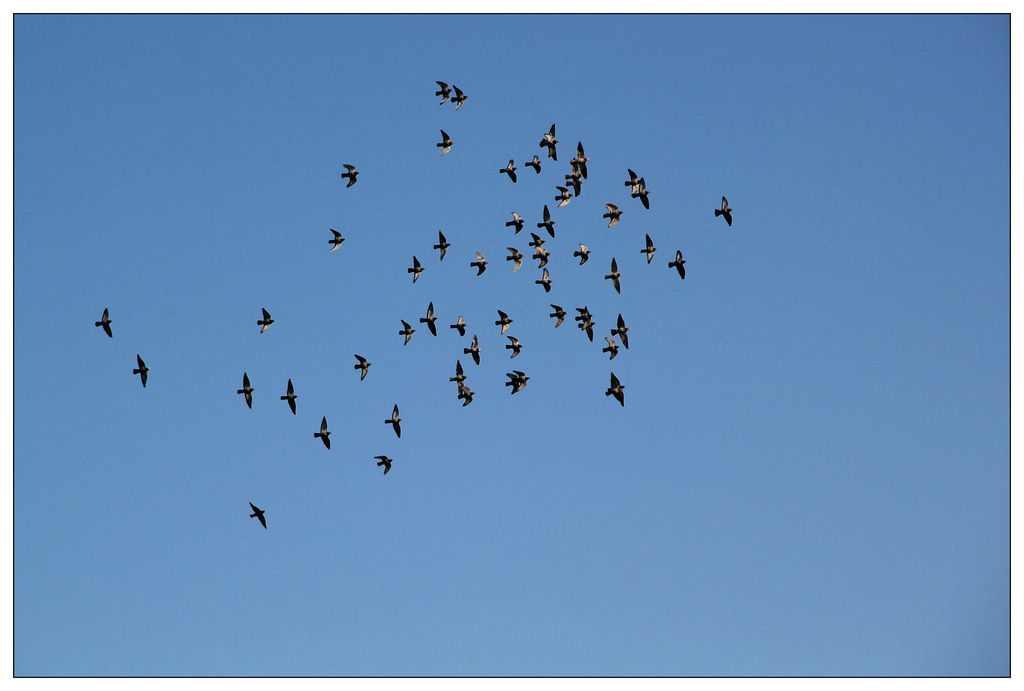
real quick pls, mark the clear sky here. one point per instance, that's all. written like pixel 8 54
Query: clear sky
pixel 810 473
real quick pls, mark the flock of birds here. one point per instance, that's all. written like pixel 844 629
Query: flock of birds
pixel 517 378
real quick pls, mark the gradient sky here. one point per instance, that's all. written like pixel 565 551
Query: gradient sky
pixel 809 476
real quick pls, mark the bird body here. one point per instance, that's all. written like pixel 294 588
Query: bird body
pixel 430 319
pixel 545 281
pixel 614 275
pixel 289 396
pixel 473 349
pixel 515 346
pixel 583 254
pixel 633 183
pixel 258 513
pixel 558 314
pixel 612 348
pixel 351 173
pixel 459 98
pixel 445 144
pixel 641 191
pixel 407 331
pixel 503 322
pixel 514 257
pixel 416 269
pixel 548 223
pixel 517 380
pixel 384 461
pixel 620 330
pixel 105 322
pixel 564 195
pixel 336 241
pixel 460 325
pixel 265 322
pixel 535 164
pixel 459 375
pixel 443 93
pixel 516 221
pixel 480 263
pixel 246 390
pixel 442 244
pixel 724 211
pixel 580 161
pixel 143 371
pixel 649 250
pixel 616 390
pixel 549 141
pixel 324 435
pixel 363 365
pixel 613 215
pixel 510 170
pixel 678 264
pixel 394 421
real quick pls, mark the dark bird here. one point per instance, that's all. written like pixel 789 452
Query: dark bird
pixel 535 164
pixel 445 144
pixel 443 93
pixel 480 263
pixel 549 141
pixel 612 348
pixel 614 275
pixel 514 346
pixel 336 241
pixel 290 396
pixel 258 513
pixel 266 321
pixel 633 183
pixel 641 191
pixel 324 435
pixel 466 394
pixel 548 223
pixel 537 240
pixel 563 197
pixel 583 254
pixel 246 389
pixel 514 257
pixel 558 314
pixel 415 269
pixel 649 250
pixel 459 375
pixel 516 221
pixel 351 174
pixel 384 461
pixel 510 169
pixel 105 322
pixel 408 331
pixel 473 349
pixel 580 162
pixel 616 390
pixel 620 331
pixel 575 179
pixel 542 254
pixel 503 322
pixel 430 319
pixel 678 264
pixel 442 244
pixel 724 211
pixel 517 380
pixel 584 314
pixel 142 370
pixel 613 214
pixel 394 420
pixel 586 322
pixel 545 281
pixel 363 365
pixel 459 98
pixel 460 325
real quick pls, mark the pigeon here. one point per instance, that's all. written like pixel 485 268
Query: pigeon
pixel 586 322
pixel 324 435
pixel 558 314
pixel 443 93
pixel 105 322
pixel 678 264
pixel 517 380
pixel 549 141
pixel 584 314
pixel 266 321
pixel 545 281
pixel 363 365
pixel 535 164
pixel 430 319
pixel 290 396
pixel 408 331
pixel 724 211
pixel 537 240
pixel 503 322
pixel 583 254
pixel 613 215
pixel 542 254
pixel 564 196
pixel 621 330
pixel 510 169
pixel 616 390
pixel 649 250
pixel 258 513
pixel 445 144
pixel 460 325
pixel 466 394
pixel 473 349
pixel 641 191
pixel 548 223
pixel 384 461
pixel 142 370
pixel 633 183
pixel 480 263
pixel 246 389
pixel 459 98
pixel 459 375
pixel 614 275
pixel 514 346
pixel 516 221
pixel 415 269
pixel 351 174
pixel 612 348
pixel 514 257
pixel 394 420
pixel 442 244
pixel 575 179
pixel 580 162
pixel 336 241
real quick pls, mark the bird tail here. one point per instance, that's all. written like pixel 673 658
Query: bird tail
pixel 252 515
pixel 380 462
pixel 240 391
pixel 284 398
pixel 136 371
pixel 99 323
pixel 718 212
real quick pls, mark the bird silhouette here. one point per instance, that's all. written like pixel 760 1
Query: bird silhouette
pixel 465 395
pixel 545 281
pixel 564 195
pixel 384 461
pixel 445 144
pixel 514 346
pixel 290 396
pixel 142 370
pixel 517 380
pixel 633 183
pixel 430 319
pixel 460 325
pixel 473 349
pixel 614 275
pixel 641 191
pixel 516 221
pixel 336 241
pixel 459 98
pixel 459 375
pixel 510 170
pixel 105 322
pixel 541 253
pixel 246 389
pixel 724 211
pixel 408 331
pixel 616 390
pixel 620 330
pixel 265 322
pixel 613 214
pixel 583 254
pixel 514 257
pixel 649 250
pixel 549 141
pixel 580 161
pixel 612 348
pixel 416 269
pixel 324 435
pixel 394 421
pixel 535 164
pixel 480 263
pixel 678 264
pixel 548 223
pixel 362 365
pixel 351 174
pixel 575 179
pixel 258 513
pixel 503 322
pixel 443 93
pixel 558 314
pixel 442 244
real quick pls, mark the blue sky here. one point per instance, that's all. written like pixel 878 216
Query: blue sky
pixel 809 476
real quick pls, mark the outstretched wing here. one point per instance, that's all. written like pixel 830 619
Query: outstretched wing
pixel 266 314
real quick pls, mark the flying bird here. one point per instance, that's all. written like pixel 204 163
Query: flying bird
pixel 258 513
pixel 575 179
pixel 394 420
pixel 612 348
pixel 549 141
pixel 351 174
pixel 408 331
pixel 621 330
pixel 503 322
pixel 613 214
pixel 641 191
pixel 650 250
pixel 548 223
pixel 633 183
pixel 517 380
pixel 443 93
pixel 415 269
pixel 614 275
pixel 535 164
pixel 473 349
pixel 480 263
pixel 516 221
pixel 324 435
pixel 537 240
pixel 445 144
pixel 442 244
pixel 542 254
pixel 514 257
pixel 336 241
pixel 563 197
pixel 514 346
pixel 290 396
pixel 586 322
pixel 580 161
pixel 246 389
pixel 724 211
pixel 559 314
pixel 466 394
pixel 105 322
pixel 678 264
pixel 142 370
pixel 510 169
pixel 583 254
pixel 363 365
pixel 459 375
pixel 384 461
pixel 616 390
pixel 459 98
pixel 460 325
pixel 266 321
pixel 545 281
pixel 430 319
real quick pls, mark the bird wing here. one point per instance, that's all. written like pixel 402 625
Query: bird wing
pixel 479 256
pixel 349 168
pixel 142 365
pixel 728 217
pixel 444 136
pixel 415 262
pixel 394 412
pixel 440 238
pixel 615 381
pixel 512 174
pixel 725 204
pixel 254 507
pixel 443 86
pixel 106 313
pixel 291 404
pixel 337 235
pixel 458 367
pixel 245 380
pixel 516 216
pixel 406 325
pixel 611 207
pixel 552 130
pixel 266 314
pixel 430 310
pixel 615 267
pixel 291 389
pixel 106 328
pixel 546 276
pixel 579 149
pixel 621 322
pixel 458 91
pixel 650 244
pixel 263 521
pixel 361 359
pixel 547 214
pixel 611 341
pixel 323 425
pixel 502 315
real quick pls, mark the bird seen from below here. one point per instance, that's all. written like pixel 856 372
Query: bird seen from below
pixel 583 253
pixel 547 224
pixel 516 257
pixel 459 98
pixel 473 349
pixel 442 244
pixel 394 421
pixel 142 371
pixel 459 325
pixel 515 346
pixel 351 173
pixel 558 314
pixel 678 264
pixel 105 322
pixel 516 221
pixel 725 211
pixel 258 513
pixel 265 322
pixel 613 215
pixel 416 269
pixel 616 390
pixel 563 197
pixel 503 321
pixel 612 348
pixel 545 281
pixel 289 396
pixel 650 249
pixel 430 319
pixel 363 365
pixel 246 390
pixel 480 263
pixel 517 380
pixel 406 331
pixel 325 436
pixel 620 331
pixel 384 461
pixel 549 141
pixel 443 93
pixel 614 275
pixel 509 170
pixel 445 144
pixel 336 241
pixel 535 164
